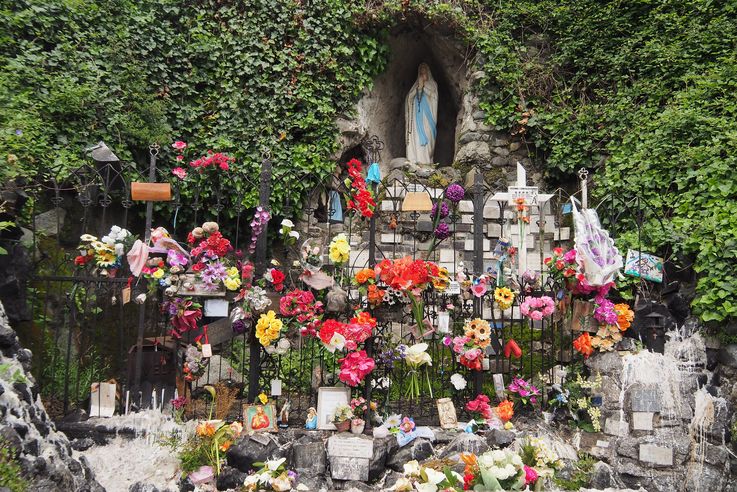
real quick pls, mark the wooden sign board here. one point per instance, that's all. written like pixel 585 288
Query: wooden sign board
pixel 151 192
pixel 583 317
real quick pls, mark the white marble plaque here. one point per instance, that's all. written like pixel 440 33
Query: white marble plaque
pixel 216 308
pixel 351 446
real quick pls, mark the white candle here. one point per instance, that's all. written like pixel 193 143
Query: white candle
pixel 127 397
pixel 162 399
pixel 153 395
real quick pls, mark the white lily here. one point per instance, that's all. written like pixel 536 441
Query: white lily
pixel 336 342
pixel 274 465
pixel 412 468
pixel 434 476
pixel 416 355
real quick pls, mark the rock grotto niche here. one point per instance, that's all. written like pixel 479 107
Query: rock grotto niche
pixel 381 111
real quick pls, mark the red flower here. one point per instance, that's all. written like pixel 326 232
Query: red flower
pixel 198 267
pixel 277 277
pixel 81 260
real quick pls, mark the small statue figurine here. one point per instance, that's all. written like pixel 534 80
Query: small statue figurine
pixel 311 423
pixel 284 415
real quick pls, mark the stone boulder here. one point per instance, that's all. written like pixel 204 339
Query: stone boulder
pixel 253 449
pixel 43 453
pixel 308 456
pixel 419 449
pixel 465 443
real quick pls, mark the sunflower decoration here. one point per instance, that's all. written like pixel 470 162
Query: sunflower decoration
pixel 479 332
pixel 442 280
pixel 504 297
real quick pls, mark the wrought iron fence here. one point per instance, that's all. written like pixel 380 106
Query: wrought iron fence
pixel 81 330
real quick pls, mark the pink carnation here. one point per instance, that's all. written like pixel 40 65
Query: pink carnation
pixel 530 475
pixel 179 172
pixel 179 145
pixel 355 367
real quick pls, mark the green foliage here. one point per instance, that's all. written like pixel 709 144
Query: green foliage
pixel 644 92
pixel 84 369
pixel 581 475
pixel 14 377
pixel 230 76
pixel 10 471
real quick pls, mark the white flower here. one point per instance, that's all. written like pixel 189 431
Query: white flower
pixel 336 342
pixel 434 476
pixel 119 249
pixel 498 455
pixel 87 238
pixel 517 460
pixel 107 240
pixel 416 355
pixel 252 480
pixel 116 229
pixel 381 383
pixel 284 344
pixel 287 223
pixel 458 381
pixel 274 465
pixel 426 487
pixel 393 421
pixel 402 485
pixel 294 234
pixel 412 468
pixel 281 484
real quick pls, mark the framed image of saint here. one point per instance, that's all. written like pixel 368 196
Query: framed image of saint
pixel 260 418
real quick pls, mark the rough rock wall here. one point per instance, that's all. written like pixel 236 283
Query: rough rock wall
pixel 44 454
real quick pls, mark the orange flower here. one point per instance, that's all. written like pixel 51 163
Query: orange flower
pixel 205 429
pixel 375 295
pixel 471 462
pixel 583 345
pixel 365 275
pixel 505 410
pixel 624 316
pixel 364 318
pixel 225 446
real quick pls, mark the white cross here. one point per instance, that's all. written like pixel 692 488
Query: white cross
pixel 532 197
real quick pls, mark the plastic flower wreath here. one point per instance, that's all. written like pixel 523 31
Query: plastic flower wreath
pixel 536 308
pixel 504 297
pixel 268 328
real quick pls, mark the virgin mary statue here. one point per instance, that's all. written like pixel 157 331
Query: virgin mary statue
pixel 420 116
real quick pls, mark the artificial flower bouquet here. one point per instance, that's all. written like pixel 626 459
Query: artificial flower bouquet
pixel 573 400
pixel 104 255
pixel 342 417
pixel 504 297
pixel 272 475
pixel 540 460
pixel 523 392
pixel 500 469
pixel 471 348
pixel 208 445
pixel 253 300
pixel 301 311
pixel 425 478
pixel 210 260
pixel 480 409
pixel 411 278
pixel 360 198
pixel 195 363
pixel 416 358
pixel 184 313
pixel 614 320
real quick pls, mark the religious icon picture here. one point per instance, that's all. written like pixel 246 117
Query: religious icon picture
pixel 447 413
pixel 260 418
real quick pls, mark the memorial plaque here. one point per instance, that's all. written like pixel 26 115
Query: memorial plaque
pixel 645 400
pixel 344 468
pixel 216 308
pixel 454 288
pixel 351 446
pixel 499 386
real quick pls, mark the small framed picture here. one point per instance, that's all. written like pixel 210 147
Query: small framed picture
pixel 447 413
pixel 328 399
pixel 260 418
pixel 644 265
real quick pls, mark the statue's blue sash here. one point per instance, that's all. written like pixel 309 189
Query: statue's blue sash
pixel 423 111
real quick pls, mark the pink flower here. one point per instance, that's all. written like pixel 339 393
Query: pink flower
pixel 179 172
pixel 180 157
pixel 179 145
pixel 530 475
pixel 479 289
pixel 355 367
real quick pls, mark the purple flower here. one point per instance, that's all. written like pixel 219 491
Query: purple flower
pixel 604 312
pixel 239 327
pixel 179 402
pixel 442 231
pixel 455 193
pixel 213 274
pixel 175 258
pixel 444 210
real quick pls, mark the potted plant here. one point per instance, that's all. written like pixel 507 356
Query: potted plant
pixel 342 418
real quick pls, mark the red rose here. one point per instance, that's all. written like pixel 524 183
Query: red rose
pixel 277 277
pixel 560 265
pixel 198 267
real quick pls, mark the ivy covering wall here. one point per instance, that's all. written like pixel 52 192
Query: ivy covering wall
pixel 644 92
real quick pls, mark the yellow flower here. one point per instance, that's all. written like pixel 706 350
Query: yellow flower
pixel 158 273
pixel 508 426
pixel 504 297
pixel 340 249
pixel 442 280
pixel 232 283
pixel 232 272
pixel 263 398
pixel 268 328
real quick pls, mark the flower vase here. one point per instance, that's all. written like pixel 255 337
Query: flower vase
pixel 343 426
pixel 357 426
